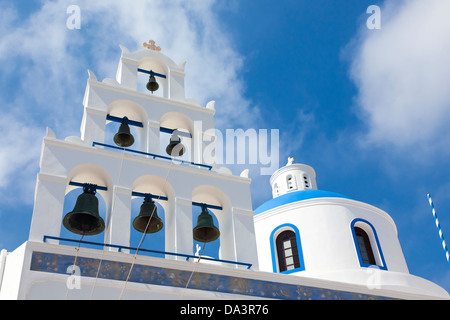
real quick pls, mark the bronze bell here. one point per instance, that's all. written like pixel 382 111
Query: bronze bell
pixel 123 137
pixel 84 219
pixel 148 211
pixel 152 85
pixel 205 231
pixel 175 148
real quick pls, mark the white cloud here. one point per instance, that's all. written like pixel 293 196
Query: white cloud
pixel 19 159
pixel 45 65
pixel 402 73
pixel 186 31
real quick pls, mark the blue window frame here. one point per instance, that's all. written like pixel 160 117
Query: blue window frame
pixel 285 245
pixel 369 251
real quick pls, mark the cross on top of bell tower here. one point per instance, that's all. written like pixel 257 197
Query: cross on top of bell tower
pixel 151 46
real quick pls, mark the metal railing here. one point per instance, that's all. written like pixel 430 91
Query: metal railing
pixel 120 247
pixel 151 155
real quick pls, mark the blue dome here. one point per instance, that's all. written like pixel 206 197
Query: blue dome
pixel 296 196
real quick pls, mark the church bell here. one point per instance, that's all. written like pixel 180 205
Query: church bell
pixel 84 219
pixel 148 212
pixel 123 137
pixel 152 85
pixel 175 148
pixel 205 231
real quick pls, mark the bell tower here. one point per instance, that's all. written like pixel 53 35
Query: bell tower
pixel 293 177
pixel 155 155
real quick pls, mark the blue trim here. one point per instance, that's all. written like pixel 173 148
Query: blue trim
pixel 170 131
pixel 128 121
pixel 198 204
pixel 154 73
pixel 299 249
pixel 151 154
pixel 79 184
pixel 141 125
pixel 140 194
pixel 378 247
pixel 295 196
pixel 209 206
pixel 164 276
pixel 187 256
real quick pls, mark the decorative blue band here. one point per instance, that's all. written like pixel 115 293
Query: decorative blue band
pixel 114 270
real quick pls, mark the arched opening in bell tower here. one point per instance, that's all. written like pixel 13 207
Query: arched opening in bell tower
pixel 136 119
pixel 70 201
pixel 159 71
pixel 209 249
pixel 154 238
pixel 86 204
pixel 151 196
pixel 176 123
pixel 219 209
pixel 112 129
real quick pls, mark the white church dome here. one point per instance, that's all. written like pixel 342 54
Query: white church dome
pixel 325 235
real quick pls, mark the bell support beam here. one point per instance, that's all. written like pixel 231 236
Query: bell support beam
pixel 209 206
pixel 128 121
pixel 141 125
pixel 79 184
pixel 150 72
pixel 145 195
pixel 141 194
pixel 198 204
pixel 180 133
pixel 152 155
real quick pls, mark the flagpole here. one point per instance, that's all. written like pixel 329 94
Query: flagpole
pixel 441 235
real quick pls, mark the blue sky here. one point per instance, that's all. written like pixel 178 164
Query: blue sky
pixel 368 109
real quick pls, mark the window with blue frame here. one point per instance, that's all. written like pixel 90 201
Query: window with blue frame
pixel 287 250
pixel 367 244
pixel 364 246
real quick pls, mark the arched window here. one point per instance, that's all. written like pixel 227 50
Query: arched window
pixel 276 190
pixel 287 251
pixel 364 246
pixel 291 183
pixel 367 244
pixel 306 181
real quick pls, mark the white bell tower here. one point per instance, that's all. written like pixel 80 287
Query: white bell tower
pixel 179 184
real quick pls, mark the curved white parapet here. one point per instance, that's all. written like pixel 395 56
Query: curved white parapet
pixel 381 282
